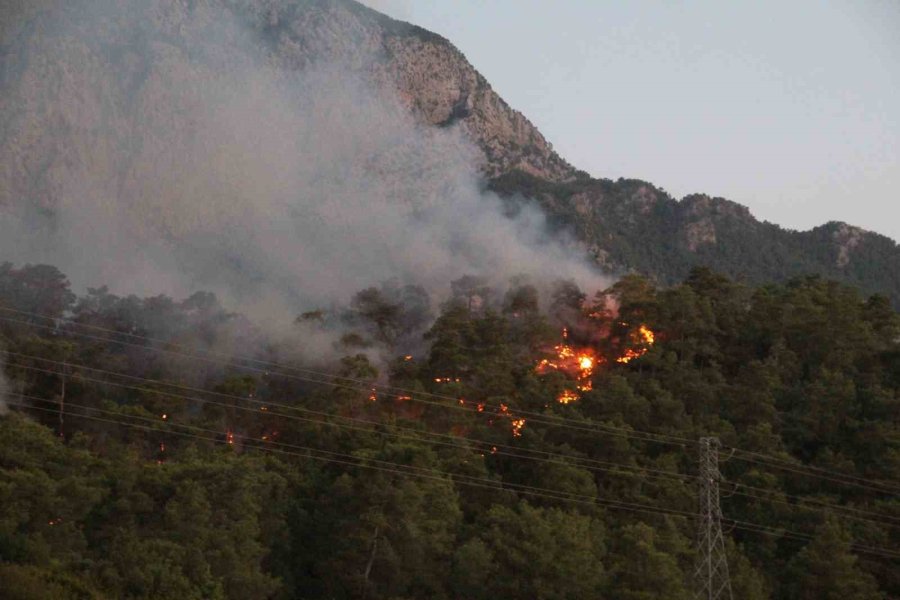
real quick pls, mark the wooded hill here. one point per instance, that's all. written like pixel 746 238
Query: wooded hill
pixel 156 448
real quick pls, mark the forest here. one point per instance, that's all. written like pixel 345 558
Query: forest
pixel 495 444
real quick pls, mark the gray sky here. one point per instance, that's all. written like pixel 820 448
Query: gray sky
pixel 792 108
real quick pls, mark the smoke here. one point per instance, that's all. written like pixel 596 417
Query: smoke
pixel 202 165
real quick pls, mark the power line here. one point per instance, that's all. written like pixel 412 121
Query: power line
pixel 226 359
pixel 535 417
pixel 776 532
pixel 886 520
pixel 414 395
pixel 539 418
pixel 353 460
pixel 294 447
pixel 495 448
pixel 849 481
pixel 444 477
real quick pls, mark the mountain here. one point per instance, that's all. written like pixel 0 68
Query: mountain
pixel 632 225
pixel 67 82
pixel 72 100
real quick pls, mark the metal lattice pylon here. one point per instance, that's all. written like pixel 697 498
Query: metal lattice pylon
pixel 711 574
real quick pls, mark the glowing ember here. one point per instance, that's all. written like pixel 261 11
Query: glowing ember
pixel 407 357
pixel 373 396
pixel 53 522
pixel 229 437
pixel 517 425
pixel 404 398
pixel 165 416
pixel 577 363
pixel 567 396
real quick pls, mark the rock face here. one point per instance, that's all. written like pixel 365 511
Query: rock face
pixel 108 87
pixel 77 75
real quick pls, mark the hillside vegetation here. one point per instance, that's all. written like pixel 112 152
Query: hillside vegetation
pixel 147 454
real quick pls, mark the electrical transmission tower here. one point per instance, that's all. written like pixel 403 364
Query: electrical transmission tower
pixel 711 573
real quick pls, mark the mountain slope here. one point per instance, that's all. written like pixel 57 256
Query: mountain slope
pixel 632 225
pixel 75 75
pixel 72 94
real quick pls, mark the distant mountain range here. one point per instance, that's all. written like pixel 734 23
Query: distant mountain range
pixel 56 112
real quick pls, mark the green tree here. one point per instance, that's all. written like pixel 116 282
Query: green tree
pixel 642 570
pixel 826 569
pixel 543 553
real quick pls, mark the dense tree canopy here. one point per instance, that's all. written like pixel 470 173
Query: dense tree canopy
pixel 156 448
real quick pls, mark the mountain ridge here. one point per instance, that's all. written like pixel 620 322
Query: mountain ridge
pixel 627 225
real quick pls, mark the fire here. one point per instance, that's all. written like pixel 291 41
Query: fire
pixel 645 338
pixel 567 396
pixel 580 363
pixel 229 437
pixel 373 396
pixel 517 424
pixel 577 363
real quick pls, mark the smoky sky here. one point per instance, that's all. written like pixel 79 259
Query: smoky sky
pixel 169 168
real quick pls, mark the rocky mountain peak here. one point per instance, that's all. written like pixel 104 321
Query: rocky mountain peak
pixel 431 76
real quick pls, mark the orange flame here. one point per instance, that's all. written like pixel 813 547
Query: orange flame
pixel 645 338
pixel 567 396
pixel 576 363
pixel 580 363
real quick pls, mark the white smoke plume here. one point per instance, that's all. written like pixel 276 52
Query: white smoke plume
pixel 279 190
